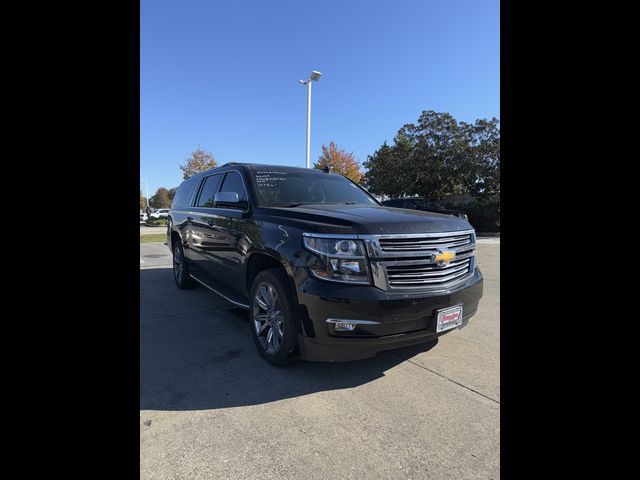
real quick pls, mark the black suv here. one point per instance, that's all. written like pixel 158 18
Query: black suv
pixel 326 272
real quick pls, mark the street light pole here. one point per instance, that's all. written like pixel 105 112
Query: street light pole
pixel 146 187
pixel 315 76
pixel 308 124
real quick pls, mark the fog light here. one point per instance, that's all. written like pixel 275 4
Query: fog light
pixel 345 326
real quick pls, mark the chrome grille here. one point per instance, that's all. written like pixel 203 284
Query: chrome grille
pixel 426 243
pixel 407 262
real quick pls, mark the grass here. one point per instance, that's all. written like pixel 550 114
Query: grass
pixel 154 222
pixel 153 237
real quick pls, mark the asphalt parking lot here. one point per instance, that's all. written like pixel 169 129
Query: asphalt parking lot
pixel 211 408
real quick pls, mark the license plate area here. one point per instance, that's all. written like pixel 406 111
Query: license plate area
pixel 448 318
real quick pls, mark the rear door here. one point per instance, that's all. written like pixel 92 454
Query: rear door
pixel 180 211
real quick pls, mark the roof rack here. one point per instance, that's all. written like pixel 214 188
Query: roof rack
pixel 240 163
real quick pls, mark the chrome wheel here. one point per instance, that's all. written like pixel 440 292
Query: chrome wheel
pixel 268 318
pixel 178 263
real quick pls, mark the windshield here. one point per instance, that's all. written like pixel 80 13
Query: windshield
pixel 433 205
pixel 282 187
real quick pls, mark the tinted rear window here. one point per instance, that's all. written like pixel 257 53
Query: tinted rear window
pixel 184 194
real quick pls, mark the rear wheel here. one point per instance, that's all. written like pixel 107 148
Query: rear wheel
pixel 181 268
pixel 272 319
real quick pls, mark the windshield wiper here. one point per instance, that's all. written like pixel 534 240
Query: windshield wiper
pixel 287 205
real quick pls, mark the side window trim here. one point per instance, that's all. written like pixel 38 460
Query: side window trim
pixel 200 187
pixel 196 197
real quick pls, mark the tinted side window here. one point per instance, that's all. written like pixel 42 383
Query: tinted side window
pixel 183 195
pixel 208 191
pixel 409 204
pixel 233 183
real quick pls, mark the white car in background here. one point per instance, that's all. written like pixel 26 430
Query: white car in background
pixel 160 213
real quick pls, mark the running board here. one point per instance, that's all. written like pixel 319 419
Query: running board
pixel 239 304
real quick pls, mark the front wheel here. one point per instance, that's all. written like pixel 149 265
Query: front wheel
pixel 272 317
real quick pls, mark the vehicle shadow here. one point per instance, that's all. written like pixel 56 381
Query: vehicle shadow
pixel 197 353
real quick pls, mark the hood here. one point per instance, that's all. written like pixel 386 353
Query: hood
pixel 365 219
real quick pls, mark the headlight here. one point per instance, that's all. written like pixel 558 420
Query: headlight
pixel 338 259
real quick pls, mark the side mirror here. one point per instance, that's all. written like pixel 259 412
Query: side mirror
pixel 228 200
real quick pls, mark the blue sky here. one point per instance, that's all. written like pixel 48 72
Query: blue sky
pixel 223 74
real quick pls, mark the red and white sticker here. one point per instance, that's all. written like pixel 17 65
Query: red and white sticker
pixel 449 318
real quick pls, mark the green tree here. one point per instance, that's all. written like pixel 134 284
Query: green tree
pixel 199 161
pixel 390 172
pixel 484 151
pixel 436 157
pixel 172 193
pixel 160 199
pixel 339 161
pixel 143 201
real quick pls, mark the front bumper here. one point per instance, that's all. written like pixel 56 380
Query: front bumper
pixel 402 319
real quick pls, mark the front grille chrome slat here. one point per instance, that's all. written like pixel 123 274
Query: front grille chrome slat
pixel 424 261
pixel 424 243
pixel 410 241
pixel 391 247
pixel 409 262
pixel 393 275
pixel 430 280
pixel 416 267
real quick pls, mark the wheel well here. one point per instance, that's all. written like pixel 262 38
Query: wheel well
pixel 257 263
pixel 174 238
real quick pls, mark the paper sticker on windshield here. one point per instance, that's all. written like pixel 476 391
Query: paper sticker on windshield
pixel 269 178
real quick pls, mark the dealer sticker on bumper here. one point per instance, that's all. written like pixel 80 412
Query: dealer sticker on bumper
pixel 448 318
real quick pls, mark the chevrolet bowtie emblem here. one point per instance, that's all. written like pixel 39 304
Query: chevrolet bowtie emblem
pixel 443 258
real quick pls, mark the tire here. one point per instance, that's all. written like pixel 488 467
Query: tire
pixel 181 268
pixel 275 335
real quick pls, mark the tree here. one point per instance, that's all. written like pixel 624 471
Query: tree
pixel 436 157
pixel 172 193
pixel 160 199
pixel 390 173
pixel 199 161
pixel 143 201
pixel 339 161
